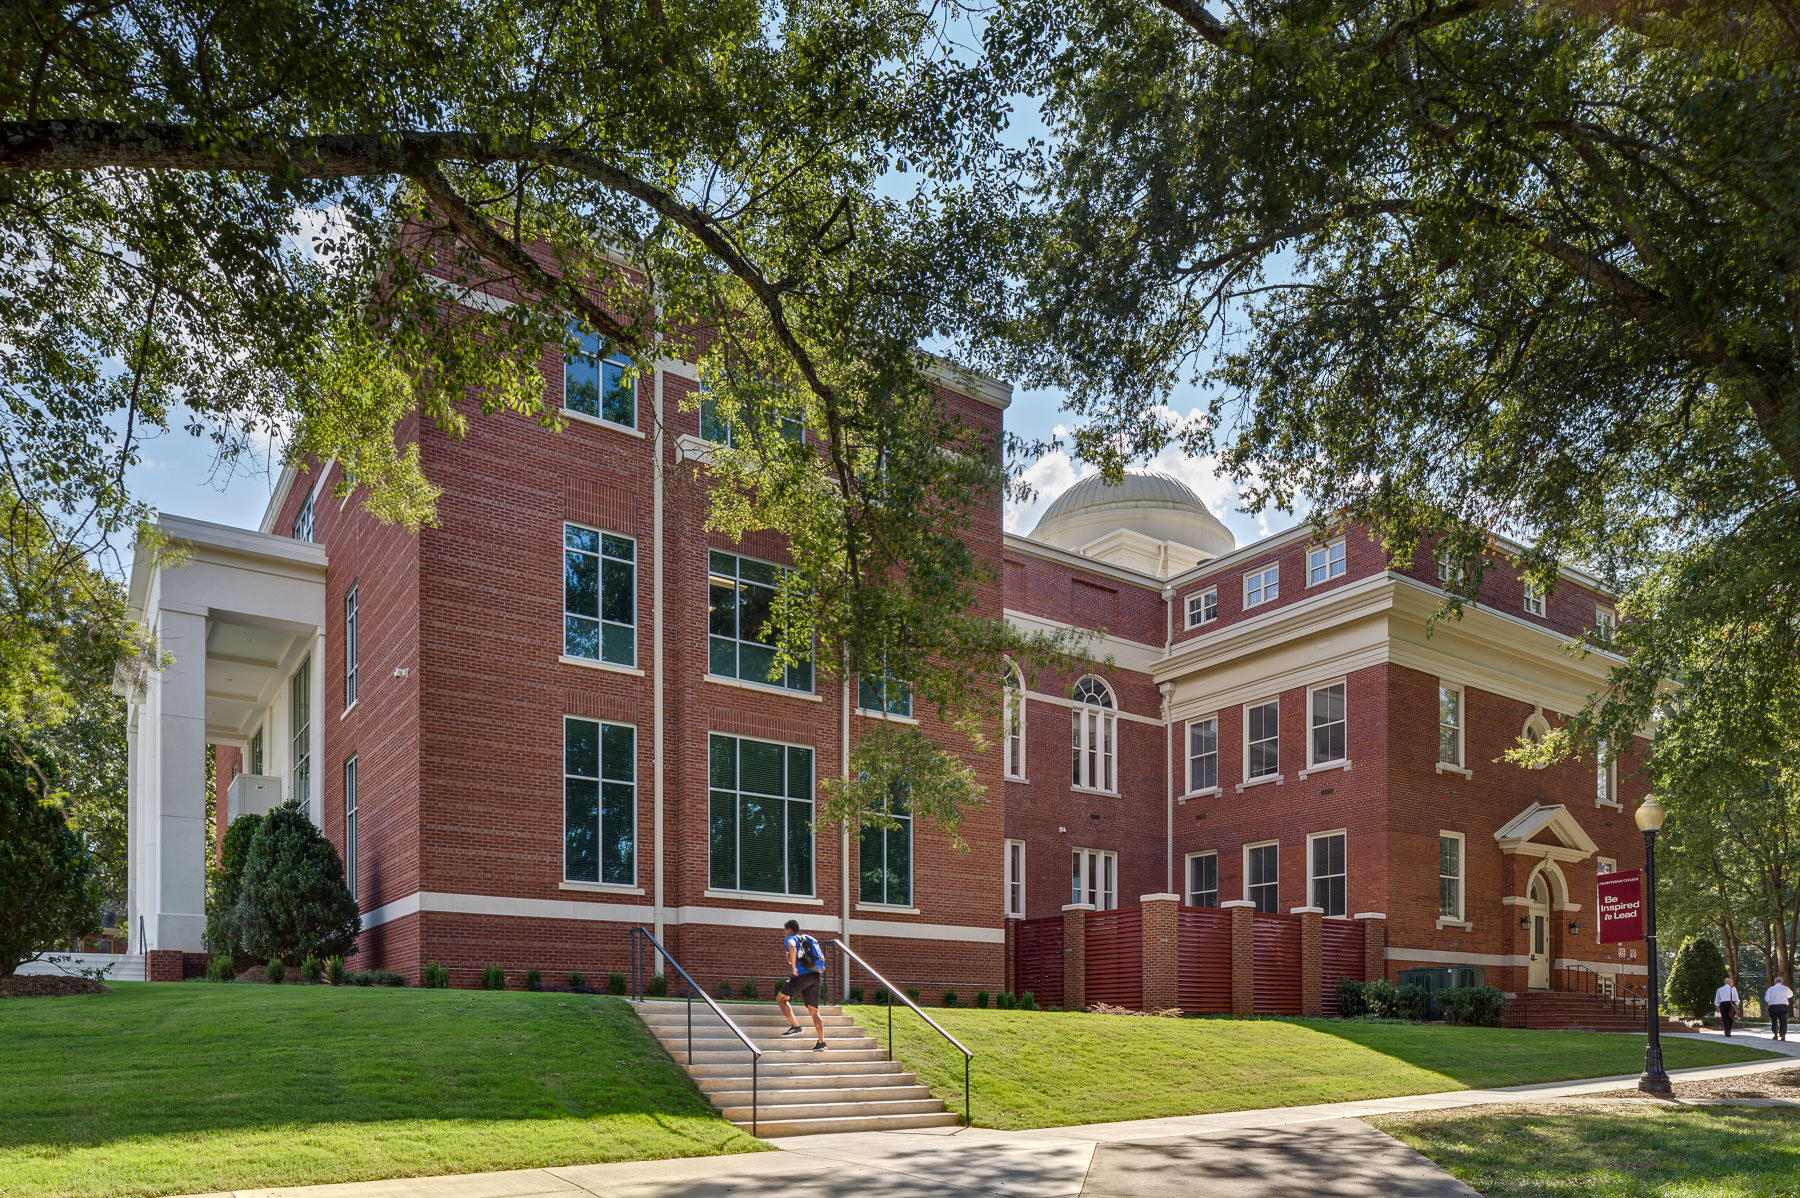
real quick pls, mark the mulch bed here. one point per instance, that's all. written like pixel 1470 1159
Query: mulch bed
pixel 48 986
pixel 1783 1083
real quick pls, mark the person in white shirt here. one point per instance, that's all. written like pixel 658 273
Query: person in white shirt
pixel 1727 1000
pixel 1779 999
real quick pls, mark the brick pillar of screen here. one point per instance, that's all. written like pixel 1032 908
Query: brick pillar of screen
pixel 1162 966
pixel 1011 982
pixel 1243 956
pixel 1312 960
pixel 1074 995
pixel 1374 944
pixel 163 965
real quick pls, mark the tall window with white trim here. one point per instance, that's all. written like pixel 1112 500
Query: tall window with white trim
pixel 1606 782
pixel 1095 726
pixel 1262 740
pixel 741 629
pixel 885 856
pixel 1203 608
pixel 598 380
pixel 761 834
pixel 256 752
pixel 883 694
pixel 1015 878
pixel 1326 873
pixel 599 802
pixel 302 529
pixel 1534 599
pixel 1261 586
pixel 300 721
pixel 350 647
pixel 350 825
pixel 1605 624
pixel 1326 562
pixel 1203 879
pixel 1329 739
pixel 1012 716
pixel 1450 875
pixel 1093 878
pixel 599 595
pixel 1262 864
pixel 1450 725
pixel 1203 754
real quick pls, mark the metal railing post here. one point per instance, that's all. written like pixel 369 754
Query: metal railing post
pixel 731 1025
pixel 889 989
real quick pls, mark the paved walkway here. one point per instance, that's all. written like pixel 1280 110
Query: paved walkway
pixel 1322 1149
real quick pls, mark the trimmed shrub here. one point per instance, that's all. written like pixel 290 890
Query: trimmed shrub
pixel 577 983
pixel 435 976
pixel 1005 1001
pixel 219 969
pixel 362 979
pixel 1028 1001
pixel 385 977
pixel 277 971
pixel 49 894
pixel 312 969
pixel 293 902
pixel 1352 998
pixel 334 970
pixel 534 980
pixel 748 990
pixel 981 1000
pixel 723 991
pixel 1472 1006
pixel 1388 1001
pixel 881 996
pixel 949 998
pixel 493 978
pixel 615 983
pixel 227 880
pixel 657 986
pixel 855 996
pixel 1697 974
pixel 912 992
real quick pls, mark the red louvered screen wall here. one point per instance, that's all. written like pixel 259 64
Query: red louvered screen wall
pixel 1038 959
pixel 1204 941
pixel 1277 940
pixel 1115 957
pixel 1342 957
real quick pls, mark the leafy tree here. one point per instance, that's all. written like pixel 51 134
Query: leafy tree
pixel 1698 973
pixel 227 883
pixel 47 891
pixel 273 216
pixel 292 902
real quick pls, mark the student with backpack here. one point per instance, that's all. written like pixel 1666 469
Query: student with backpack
pixel 807 961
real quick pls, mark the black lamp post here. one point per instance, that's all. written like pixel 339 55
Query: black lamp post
pixel 1655 1080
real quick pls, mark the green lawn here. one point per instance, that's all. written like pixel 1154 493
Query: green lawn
pixel 177 1089
pixel 1047 1069
pixel 1640 1151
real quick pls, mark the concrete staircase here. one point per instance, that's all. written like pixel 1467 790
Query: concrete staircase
pixel 1566 1010
pixel 850 1086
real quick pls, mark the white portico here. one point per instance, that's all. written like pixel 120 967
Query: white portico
pixel 237 623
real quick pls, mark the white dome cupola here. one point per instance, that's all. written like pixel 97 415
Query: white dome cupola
pixel 1149 522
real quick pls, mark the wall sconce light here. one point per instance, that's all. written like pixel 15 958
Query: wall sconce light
pixel 1574 926
pixel 1524 923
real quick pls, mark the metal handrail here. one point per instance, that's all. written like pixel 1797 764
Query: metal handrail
pixel 638 936
pixel 892 993
pixel 1621 993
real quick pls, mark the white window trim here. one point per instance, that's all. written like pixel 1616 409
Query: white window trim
pixel 639 375
pixel 637 794
pixel 1531 593
pixel 352 646
pixel 1211 792
pixel 804 897
pixel 1461 765
pixel 1012 685
pixel 1200 597
pixel 1187 876
pixel 1010 880
pixel 1088 856
pixel 1608 762
pixel 767 688
pixel 588 663
pixel 1262 573
pixel 1606 623
pixel 1462 881
pixel 882 713
pixel 1244 746
pixel 1108 761
pixel 1444 767
pixel 352 820
pixel 1265 780
pixel 1333 763
pixel 1326 548
pixel 600 559
pixel 1187 742
pixel 1261 844
pixel 600 422
pixel 761 684
pixel 1312 836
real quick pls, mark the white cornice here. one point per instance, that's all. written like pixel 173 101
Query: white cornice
pixel 1126 655
pixel 1067 557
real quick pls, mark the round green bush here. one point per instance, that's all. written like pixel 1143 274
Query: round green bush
pixel 435 976
pixel 949 998
pixel 534 980
pixel 657 987
pixel 981 1000
pixel 293 902
pixel 615 983
pixel 1697 974
pixel 277 971
pixel 493 978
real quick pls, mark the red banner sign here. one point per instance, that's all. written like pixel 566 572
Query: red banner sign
pixel 1621 907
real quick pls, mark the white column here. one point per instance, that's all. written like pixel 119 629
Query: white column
pixel 134 824
pixel 316 733
pixel 176 792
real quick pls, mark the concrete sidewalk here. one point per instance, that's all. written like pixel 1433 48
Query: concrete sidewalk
pixel 1322 1149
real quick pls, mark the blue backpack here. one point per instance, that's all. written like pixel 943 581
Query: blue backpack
pixel 808 957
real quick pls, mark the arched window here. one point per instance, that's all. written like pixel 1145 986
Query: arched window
pixel 1012 716
pixel 1535 730
pixel 1095 725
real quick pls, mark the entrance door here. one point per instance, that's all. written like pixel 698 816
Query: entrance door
pixel 1540 938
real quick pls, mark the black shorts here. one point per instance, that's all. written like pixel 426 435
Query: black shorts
pixel 803 986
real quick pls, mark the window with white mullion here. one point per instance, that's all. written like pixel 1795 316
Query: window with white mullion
pixel 761 813
pixel 1093 880
pixel 1094 726
pixel 1325 562
pixel 1203 880
pixel 1013 719
pixel 1327 873
pixel 350 825
pixel 599 802
pixel 1203 754
pixel 599 595
pixel 350 647
pixel 741 625
pixel 1262 586
pixel 1329 724
pixel 1262 867
pixel 300 724
pixel 1203 608
pixel 1015 878
pixel 1606 784
pixel 1450 725
pixel 599 380
pixel 1450 875
pixel 1534 599
pixel 1262 740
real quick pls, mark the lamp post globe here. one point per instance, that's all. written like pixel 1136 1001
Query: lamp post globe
pixel 1649 817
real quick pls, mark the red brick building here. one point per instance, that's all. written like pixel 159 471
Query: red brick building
pixel 546 719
